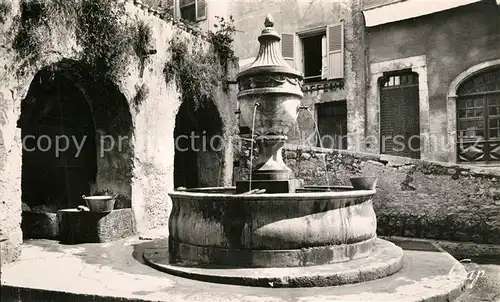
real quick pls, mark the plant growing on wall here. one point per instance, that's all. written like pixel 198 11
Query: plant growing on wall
pixel 143 40
pixel 5 9
pixel 104 39
pixel 196 71
pixel 141 93
pixel 27 42
pixel 34 25
pixel 106 42
pixel 222 41
pixel 199 73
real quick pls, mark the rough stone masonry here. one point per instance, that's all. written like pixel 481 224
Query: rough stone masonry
pixel 414 198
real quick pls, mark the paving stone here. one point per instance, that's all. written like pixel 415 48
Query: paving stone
pixel 116 272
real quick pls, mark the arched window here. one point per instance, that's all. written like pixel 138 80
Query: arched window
pixel 478 118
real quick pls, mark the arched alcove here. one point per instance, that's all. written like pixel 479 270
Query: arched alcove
pixel 59 161
pixel 76 135
pixel 199 149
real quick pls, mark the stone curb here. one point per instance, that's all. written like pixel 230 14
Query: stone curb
pixel 459 250
pixel 387 261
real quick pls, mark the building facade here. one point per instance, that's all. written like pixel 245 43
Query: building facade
pixel 434 72
pixel 405 78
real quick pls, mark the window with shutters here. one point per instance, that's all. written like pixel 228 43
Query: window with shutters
pixel 193 10
pixel 313 57
pixel 320 52
pixel 288 49
pixel 335 51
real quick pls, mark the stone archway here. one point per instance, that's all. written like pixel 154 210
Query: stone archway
pixel 199 151
pixel 76 135
pixel 59 161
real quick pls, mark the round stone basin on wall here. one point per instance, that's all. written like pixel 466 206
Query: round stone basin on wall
pixel 215 226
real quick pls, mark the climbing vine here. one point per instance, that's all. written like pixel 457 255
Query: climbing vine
pixel 196 71
pixel 142 41
pixel 141 93
pixel 199 73
pixel 104 39
pixel 107 43
pixel 222 40
pixel 33 28
pixel 5 9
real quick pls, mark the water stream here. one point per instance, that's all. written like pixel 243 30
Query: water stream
pixel 321 145
pixel 251 147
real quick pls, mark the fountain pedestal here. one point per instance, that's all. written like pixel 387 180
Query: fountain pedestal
pixel 269 100
pixel 271 172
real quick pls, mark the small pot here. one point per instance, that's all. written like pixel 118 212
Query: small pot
pixel 364 183
pixel 100 204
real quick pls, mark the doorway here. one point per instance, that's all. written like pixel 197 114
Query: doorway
pixel 199 155
pixel 399 114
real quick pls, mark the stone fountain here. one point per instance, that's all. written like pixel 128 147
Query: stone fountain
pixel 286 236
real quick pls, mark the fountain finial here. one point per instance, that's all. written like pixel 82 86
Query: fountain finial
pixel 269 58
pixel 269 21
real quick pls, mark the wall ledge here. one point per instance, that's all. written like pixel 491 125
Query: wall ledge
pixel 459 250
pixel 396 161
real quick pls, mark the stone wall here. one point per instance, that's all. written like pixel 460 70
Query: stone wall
pixel 153 121
pixel 414 198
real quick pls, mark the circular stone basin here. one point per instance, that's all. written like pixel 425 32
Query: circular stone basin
pixel 315 226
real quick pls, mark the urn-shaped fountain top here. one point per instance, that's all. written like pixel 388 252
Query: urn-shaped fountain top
pixel 269 60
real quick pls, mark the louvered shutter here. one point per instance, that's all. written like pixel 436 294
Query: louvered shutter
pixel 324 59
pixel 287 48
pixel 201 10
pixel 335 48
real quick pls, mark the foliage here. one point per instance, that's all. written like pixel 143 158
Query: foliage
pixel 142 41
pixel 34 26
pixel 196 71
pixel 27 41
pixel 107 44
pixel 222 40
pixel 141 93
pixel 5 9
pixel 199 73
pixel 166 13
pixel 105 41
